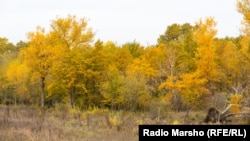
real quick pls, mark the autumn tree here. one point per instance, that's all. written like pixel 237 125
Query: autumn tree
pixel 138 79
pixel 178 49
pixel 122 58
pixel 190 87
pixel 135 48
pixel 190 84
pixel 137 94
pixel 20 45
pixel 98 61
pixel 230 63
pixel 141 66
pixel 6 55
pixel 17 76
pixel 181 34
pixel 172 33
pixel 69 76
pixel 7 51
pixel 65 65
pixel 72 37
pixel 243 8
pixel 113 89
pixel 206 57
pixel 5 45
pixel 39 56
pixel 71 32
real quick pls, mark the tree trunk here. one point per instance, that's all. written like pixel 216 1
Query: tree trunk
pixel 42 91
pixel 187 114
pixel 71 96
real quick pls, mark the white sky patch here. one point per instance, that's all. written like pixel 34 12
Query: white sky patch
pixel 120 21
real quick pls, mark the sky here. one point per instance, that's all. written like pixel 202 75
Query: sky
pixel 120 21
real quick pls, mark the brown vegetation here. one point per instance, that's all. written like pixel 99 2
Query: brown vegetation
pixel 33 124
pixel 64 124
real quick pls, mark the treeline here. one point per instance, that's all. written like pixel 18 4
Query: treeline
pixel 188 66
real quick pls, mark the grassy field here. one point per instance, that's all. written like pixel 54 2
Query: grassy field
pixel 64 124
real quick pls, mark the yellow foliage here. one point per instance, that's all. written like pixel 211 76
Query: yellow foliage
pixel 71 32
pixel 39 55
pixel 176 122
pixel 235 100
pixel 17 72
pixel 235 108
pixel 141 66
pixel 115 120
pixel 243 8
pixel 206 32
pixel 168 96
pixel 190 86
pixel 169 83
pixel 17 75
pixel 206 55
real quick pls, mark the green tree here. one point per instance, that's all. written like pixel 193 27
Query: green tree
pixel 137 94
pixel 113 89
pixel 136 50
pixel 172 33
pixel 6 46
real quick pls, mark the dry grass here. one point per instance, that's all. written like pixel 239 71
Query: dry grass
pixel 33 124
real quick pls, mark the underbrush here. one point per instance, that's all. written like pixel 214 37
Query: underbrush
pixel 63 123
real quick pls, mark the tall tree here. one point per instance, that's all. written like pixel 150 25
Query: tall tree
pixel 206 57
pixel 230 62
pixel 69 75
pixel 72 37
pixel 39 56
pixel 71 32
pixel 243 7
pixel 179 47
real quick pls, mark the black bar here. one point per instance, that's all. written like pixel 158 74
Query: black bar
pixel 201 132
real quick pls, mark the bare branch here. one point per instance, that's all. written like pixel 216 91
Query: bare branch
pixel 228 107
